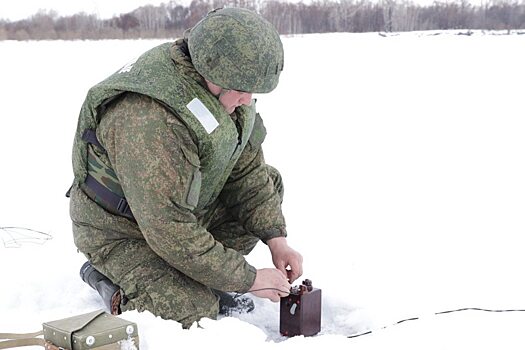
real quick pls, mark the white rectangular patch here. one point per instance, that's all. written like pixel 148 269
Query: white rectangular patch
pixel 203 114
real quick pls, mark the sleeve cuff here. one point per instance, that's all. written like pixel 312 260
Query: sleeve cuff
pixel 272 233
pixel 250 279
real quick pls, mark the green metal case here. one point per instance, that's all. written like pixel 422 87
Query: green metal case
pixel 95 330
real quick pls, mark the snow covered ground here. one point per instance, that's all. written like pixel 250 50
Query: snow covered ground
pixel 404 168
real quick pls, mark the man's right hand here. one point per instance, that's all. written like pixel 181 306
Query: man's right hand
pixel 271 284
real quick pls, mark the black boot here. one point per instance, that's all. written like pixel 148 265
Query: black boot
pixel 230 304
pixel 110 292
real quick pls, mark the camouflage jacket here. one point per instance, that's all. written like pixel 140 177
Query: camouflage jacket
pixel 172 167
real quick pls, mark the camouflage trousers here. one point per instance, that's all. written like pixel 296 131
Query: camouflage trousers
pixel 150 283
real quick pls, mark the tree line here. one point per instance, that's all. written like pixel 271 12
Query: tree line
pixel 170 19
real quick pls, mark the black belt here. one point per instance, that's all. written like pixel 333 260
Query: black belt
pixel 110 200
pixel 99 193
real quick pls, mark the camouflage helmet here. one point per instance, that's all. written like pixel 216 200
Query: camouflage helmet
pixel 237 49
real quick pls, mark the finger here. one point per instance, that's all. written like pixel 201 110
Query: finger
pixel 296 272
pixel 287 286
pixel 282 270
pixel 291 276
pixel 284 291
pixel 281 267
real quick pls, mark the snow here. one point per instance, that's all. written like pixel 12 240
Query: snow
pixel 403 164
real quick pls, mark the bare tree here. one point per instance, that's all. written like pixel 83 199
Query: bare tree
pixel 198 9
pixel 318 16
pixel 43 25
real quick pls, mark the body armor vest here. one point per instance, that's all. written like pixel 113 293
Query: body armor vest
pixel 165 73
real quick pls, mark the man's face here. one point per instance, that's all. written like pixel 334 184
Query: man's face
pixel 230 99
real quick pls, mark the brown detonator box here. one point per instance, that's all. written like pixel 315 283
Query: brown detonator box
pixel 301 311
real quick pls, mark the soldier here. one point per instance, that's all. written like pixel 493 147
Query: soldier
pixel 171 188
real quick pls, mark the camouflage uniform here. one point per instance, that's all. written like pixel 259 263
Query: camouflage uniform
pixel 200 199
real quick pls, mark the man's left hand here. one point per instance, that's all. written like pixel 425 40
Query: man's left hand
pixel 285 259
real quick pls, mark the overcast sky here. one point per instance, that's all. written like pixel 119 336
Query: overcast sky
pixel 20 9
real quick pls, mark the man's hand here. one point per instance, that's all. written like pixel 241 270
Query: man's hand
pixel 285 259
pixel 271 284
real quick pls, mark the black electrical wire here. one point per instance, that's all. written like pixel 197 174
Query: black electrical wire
pixel 436 313
pixel 258 290
pixel 401 321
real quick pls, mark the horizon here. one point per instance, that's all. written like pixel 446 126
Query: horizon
pixel 12 11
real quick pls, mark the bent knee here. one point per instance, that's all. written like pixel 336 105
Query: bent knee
pixel 182 302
